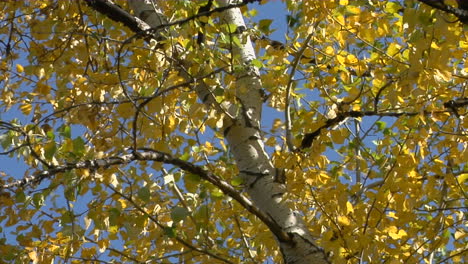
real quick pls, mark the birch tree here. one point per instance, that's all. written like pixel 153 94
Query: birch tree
pixel 182 132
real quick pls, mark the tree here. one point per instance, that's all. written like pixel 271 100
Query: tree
pixel 143 127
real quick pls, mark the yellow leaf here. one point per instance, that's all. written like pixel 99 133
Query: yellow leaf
pixel 87 222
pixel 125 110
pixel 463 44
pixel 271 141
pixel 174 79
pixel 323 177
pixel 367 34
pixel 349 207
pixel 223 145
pixel 171 123
pixel 310 181
pixel 392 7
pixel 344 220
pixel 435 46
pixel 123 203
pixel 43 89
pixel 413 174
pixel 459 234
pixel 343 252
pixel 392 215
pixel 353 10
pixel 80 80
pixel 113 180
pixel 342 36
pixel 393 49
pixel 443 75
pixel 103 245
pixel 394 233
pixel 351 59
pixel 341 59
pixel 329 50
pixel 462 178
pixel 88 252
pixel 41 73
pixel 33 256
pixel 344 2
pixel 337 136
pixel 208 146
pixel 19 68
pixel 85 173
pixel 277 123
pixel 26 108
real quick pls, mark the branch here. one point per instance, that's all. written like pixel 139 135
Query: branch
pixel 309 138
pixel 287 110
pixel 461 12
pixel 141 28
pixel 155 220
pixel 157 156
pixel 453 105
pixel 116 13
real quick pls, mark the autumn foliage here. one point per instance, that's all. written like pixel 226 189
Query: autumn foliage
pixel 122 132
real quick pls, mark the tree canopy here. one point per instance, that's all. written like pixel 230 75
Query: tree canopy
pixel 188 132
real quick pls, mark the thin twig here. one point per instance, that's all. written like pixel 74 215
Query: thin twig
pixel 287 110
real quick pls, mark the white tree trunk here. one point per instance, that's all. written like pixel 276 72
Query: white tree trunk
pixel 246 144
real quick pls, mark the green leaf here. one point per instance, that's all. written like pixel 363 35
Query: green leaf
pixel 144 194
pixel 147 90
pixel 20 197
pixel 6 139
pixel 231 28
pixel 185 156
pixel 203 194
pixel 67 217
pixel 392 7
pixel 292 21
pixel 217 193
pixel 237 181
pixel 79 147
pixel 192 182
pixel 70 193
pixel 381 125
pixel 65 131
pixel 387 131
pixel 38 200
pixel 201 213
pixel 50 135
pixel 170 231
pixel 49 150
pixel 114 215
pixel 257 63
pixel 179 213
pixel 264 25
pixel 236 41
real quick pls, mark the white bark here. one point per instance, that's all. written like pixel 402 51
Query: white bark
pixel 246 143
